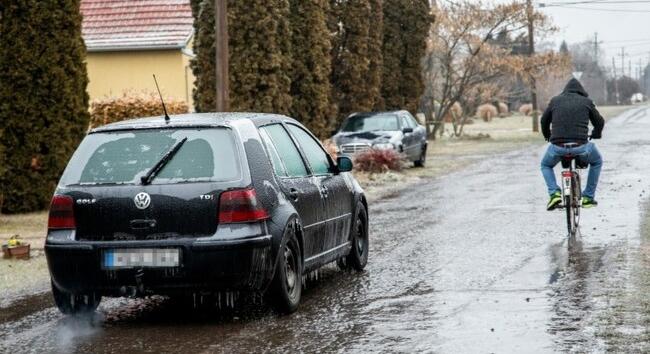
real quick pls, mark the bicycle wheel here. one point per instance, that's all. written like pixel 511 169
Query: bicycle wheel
pixel 570 215
pixel 577 193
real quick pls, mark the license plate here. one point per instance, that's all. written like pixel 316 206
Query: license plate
pixel 141 257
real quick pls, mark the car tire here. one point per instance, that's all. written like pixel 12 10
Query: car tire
pixel 286 288
pixel 423 158
pixel 358 257
pixel 73 304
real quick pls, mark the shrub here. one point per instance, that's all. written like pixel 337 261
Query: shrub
pixel 454 112
pixel 376 160
pixel 526 109
pixel 132 105
pixel 487 112
pixel 503 110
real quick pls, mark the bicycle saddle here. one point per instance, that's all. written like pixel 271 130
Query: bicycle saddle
pixel 580 164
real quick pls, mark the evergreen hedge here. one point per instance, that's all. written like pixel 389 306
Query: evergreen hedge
pixel 260 60
pixel 43 99
pixel 310 74
pixel 350 24
pixel 406 26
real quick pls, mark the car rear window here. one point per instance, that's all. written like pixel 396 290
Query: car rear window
pixel 123 157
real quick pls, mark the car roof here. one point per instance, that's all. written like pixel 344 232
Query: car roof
pixel 191 120
pixel 370 114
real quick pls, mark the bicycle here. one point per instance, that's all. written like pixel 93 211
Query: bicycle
pixel 571 190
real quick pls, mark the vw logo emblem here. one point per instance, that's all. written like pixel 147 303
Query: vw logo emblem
pixel 142 200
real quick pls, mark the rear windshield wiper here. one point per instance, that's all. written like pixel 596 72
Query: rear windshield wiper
pixel 146 179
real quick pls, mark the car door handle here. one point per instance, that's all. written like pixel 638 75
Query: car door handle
pixel 294 194
pixel 324 191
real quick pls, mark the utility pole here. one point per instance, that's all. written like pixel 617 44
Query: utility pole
pixel 622 61
pixel 222 101
pixel 531 52
pixel 596 48
pixel 615 81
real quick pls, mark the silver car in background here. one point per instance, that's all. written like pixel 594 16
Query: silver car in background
pixel 397 130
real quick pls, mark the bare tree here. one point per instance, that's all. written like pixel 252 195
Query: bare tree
pixel 462 61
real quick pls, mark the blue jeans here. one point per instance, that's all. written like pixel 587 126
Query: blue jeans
pixel 588 153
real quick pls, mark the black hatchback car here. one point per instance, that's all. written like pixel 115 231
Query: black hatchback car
pixel 206 204
pixel 396 130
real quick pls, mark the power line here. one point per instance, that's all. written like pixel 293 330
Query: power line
pixel 595 2
pixel 599 9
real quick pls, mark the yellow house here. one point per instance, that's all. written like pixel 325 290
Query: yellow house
pixel 130 40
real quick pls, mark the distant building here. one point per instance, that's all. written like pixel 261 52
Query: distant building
pixel 128 41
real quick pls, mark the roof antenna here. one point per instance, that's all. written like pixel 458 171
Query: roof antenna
pixel 161 99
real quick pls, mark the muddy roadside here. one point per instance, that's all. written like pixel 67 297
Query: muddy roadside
pixel 446 155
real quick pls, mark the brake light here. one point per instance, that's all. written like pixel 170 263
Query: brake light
pixel 240 205
pixel 61 213
pixel 567 174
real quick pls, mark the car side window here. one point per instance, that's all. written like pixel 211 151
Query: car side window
pixel 316 156
pixel 405 123
pixel 413 122
pixel 286 149
pixel 278 166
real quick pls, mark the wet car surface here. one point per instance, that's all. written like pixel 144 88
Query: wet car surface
pixel 470 262
pixel 204 206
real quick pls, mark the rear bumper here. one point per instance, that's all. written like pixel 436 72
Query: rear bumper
pixel 215 265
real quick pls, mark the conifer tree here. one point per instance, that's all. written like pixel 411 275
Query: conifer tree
pixel 310 75
pixel 375 55
pixel 260 61
pixel 350 24
pixel 203 64
pixel 260 55
pixel 406 26
pixel 43 99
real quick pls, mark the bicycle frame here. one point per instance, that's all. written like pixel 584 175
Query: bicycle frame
pixel 571 195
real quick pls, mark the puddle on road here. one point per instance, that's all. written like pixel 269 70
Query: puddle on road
pixel 600 296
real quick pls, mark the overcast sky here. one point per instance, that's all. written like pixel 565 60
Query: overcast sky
pixel 618 23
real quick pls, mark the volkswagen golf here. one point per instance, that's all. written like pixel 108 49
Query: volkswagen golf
pixel 207 204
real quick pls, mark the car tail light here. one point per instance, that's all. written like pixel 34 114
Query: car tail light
pixel 61 213
pixel 240 205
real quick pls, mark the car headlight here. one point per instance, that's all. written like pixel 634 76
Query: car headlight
pixel 383 146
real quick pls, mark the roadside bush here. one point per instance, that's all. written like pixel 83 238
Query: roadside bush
pixel 455 112
pixel 526 109
pixel 503 110
pixel 487 112
pixel 132 105
pixel 376 161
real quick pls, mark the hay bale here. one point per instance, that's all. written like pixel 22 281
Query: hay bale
pixel 526 109
pixel 487 112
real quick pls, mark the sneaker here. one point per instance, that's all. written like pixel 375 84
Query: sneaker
pixel 556 199
pixel 588 202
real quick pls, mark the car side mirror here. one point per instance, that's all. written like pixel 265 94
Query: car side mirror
pixel 344 164
pixel 407 130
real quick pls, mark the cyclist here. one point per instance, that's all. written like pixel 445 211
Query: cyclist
pixel 566 121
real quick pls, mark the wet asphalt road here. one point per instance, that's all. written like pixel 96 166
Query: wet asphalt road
pixel 470 262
